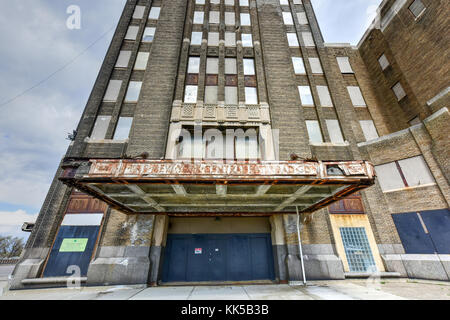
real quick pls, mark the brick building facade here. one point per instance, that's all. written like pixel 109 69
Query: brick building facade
pixel 120 211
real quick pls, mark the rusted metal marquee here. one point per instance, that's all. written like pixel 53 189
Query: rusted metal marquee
pixel 217 187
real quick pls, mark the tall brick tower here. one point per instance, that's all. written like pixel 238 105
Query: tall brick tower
pixel 222 136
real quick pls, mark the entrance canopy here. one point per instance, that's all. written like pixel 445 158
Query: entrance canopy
pixel 217 187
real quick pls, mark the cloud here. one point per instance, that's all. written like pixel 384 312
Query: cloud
pixel 34 127
pixel 11 223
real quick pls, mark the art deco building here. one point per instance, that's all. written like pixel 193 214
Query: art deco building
pixel 212 122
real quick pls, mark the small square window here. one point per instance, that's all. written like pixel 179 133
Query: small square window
pixel 306 96
pixel 383 61
pixel 112 92
pixel 154 13
pixel 229 2
pixel 213 39
pixel 399 91
pixel 132 33
pixel 316 67
pixel 356 96
pixel 123 128
pixel 230 66
pixel 190 94
pixel 334 130
pixel 247 40
pixel 249 67
pixel 139 12
pixel 230 39
pixel 314 133
pixel 198 17
pixel 230 19
pixel 100 128
pixel 245 19
pixel 417 7
pixel 141 61
pixel 251 95
pixel 287 18
pixel 149 34
pixel 369 130
pixel 212 66
pixel 199 1
pixel 134 89
pixel 299 67
pixel 124 59
pixel 243 3
pixel 194 65
pixel 308 39
pixel 324 96
pixel 284 2
pixel 196 38
pixel 214 17
pixel 292 39
pixel 344 64
pixel 302 19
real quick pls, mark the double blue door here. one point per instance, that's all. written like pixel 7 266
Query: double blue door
pixel 218 257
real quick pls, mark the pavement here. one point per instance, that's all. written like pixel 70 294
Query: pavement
pixel 357 289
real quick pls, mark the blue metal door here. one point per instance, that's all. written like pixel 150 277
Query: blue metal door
pixel 218 257
pixel 61 258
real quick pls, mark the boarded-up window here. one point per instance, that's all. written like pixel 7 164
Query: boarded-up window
pixel 292 39
pixel 356 96
pixel 302 19
pixel 316 67
pixel 344 64
pixel 251 95
pixel 247 40
pixel 284 2
pixel 231 95
pixel 141 61
pixel 369 130
pixel 194 65
pixel 243 3
pixel 334 130
pixel 314 133
pixel 229 2
pixel 100 128
pixel 212 66
pixel 297 1
pixel 213 39
pixel 132 33
pixel 211 94
pixel 399 91
pixel 190 94
pixel 230 39
pixel 149 34
pixel 134 89
pixel 123 128
pixel 154 13
pixel 299 67
pixel 199 1
pixel 214 17
pixel 196 38
pixel 308 39
pixel 245 19
pixel 383 61
pixel 124 59
pixel 287 18
pixel 230 19
pixel 389 177
pixel 230 66
pixel 305 95
pixel 198 17
pixel 249 67
pixel 416 171
pixel 112 92
pixel 139 12
pixel 324 96
pixel 417 7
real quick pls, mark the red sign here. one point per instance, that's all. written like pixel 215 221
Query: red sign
pixel 198 250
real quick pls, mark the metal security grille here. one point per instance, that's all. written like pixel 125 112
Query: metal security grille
pixel 357 250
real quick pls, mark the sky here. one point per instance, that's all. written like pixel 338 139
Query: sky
pixel 47 72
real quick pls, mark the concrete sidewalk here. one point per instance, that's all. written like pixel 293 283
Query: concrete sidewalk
pixel 397 289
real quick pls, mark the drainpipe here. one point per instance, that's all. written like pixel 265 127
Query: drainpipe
pixel 300 246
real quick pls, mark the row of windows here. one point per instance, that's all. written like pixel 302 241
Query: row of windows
pixel 231 81
pixel 214 38
pixel 214 18
pixel 242 3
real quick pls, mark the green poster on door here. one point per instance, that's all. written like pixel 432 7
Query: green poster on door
pixel 73 245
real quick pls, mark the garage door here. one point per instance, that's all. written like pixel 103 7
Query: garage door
pixel 218 257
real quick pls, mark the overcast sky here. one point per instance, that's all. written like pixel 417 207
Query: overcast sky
pixel 35 44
